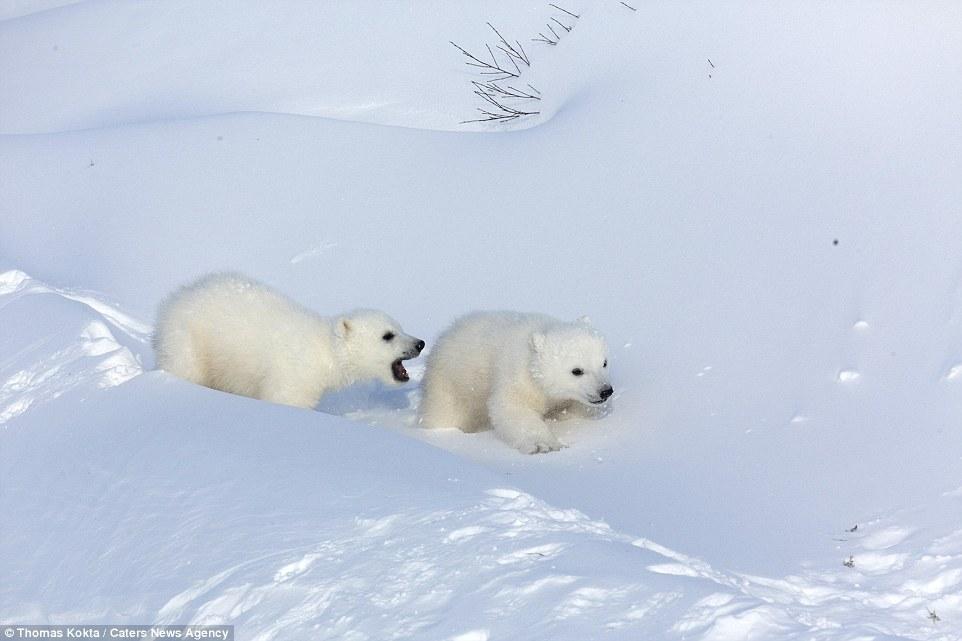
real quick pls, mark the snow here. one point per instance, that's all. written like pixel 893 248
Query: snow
pixel 769 241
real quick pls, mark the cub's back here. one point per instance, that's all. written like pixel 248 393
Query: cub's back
pixel 229 318
pixel 466 354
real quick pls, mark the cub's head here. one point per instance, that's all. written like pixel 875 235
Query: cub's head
pixel 374 345
pixel 570 360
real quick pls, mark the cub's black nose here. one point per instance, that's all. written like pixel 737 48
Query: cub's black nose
pixel 419 346
pixel 605 393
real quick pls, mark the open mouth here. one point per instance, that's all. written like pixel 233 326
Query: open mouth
pixel 400 374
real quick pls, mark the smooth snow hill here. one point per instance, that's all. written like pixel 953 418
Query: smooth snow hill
pixel 759 204
pixel 119 62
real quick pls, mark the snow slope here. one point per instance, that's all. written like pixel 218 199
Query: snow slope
pixel 770 241
pixel 160 501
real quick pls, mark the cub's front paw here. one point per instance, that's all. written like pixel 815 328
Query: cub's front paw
pixel 540 445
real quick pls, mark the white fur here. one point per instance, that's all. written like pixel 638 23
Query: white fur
pixel 231 333
pixel 510 371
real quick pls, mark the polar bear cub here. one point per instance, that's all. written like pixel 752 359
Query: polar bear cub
pixel 510 371
pixel 231 333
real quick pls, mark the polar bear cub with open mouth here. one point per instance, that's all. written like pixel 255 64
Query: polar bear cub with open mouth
pixel 231 333
pixel 510 371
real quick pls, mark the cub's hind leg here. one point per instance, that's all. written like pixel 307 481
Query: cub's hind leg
pixel 442 407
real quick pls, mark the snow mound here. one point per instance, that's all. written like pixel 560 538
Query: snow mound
pixel 182 59
pixel 377 548
pixel 60 341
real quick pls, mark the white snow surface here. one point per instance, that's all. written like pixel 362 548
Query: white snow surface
pixel 759 204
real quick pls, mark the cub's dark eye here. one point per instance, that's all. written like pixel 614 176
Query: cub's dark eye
pixel 577 371
pixel 388 336
pixel 605 364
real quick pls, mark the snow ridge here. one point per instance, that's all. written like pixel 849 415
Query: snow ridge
pixel 42 363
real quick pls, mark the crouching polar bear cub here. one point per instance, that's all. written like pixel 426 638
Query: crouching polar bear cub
pixel 234 334
pixel 509 371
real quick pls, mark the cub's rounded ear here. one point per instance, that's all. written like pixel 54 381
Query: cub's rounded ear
pixel 584 320
pixel 342 327
pixel 537 341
